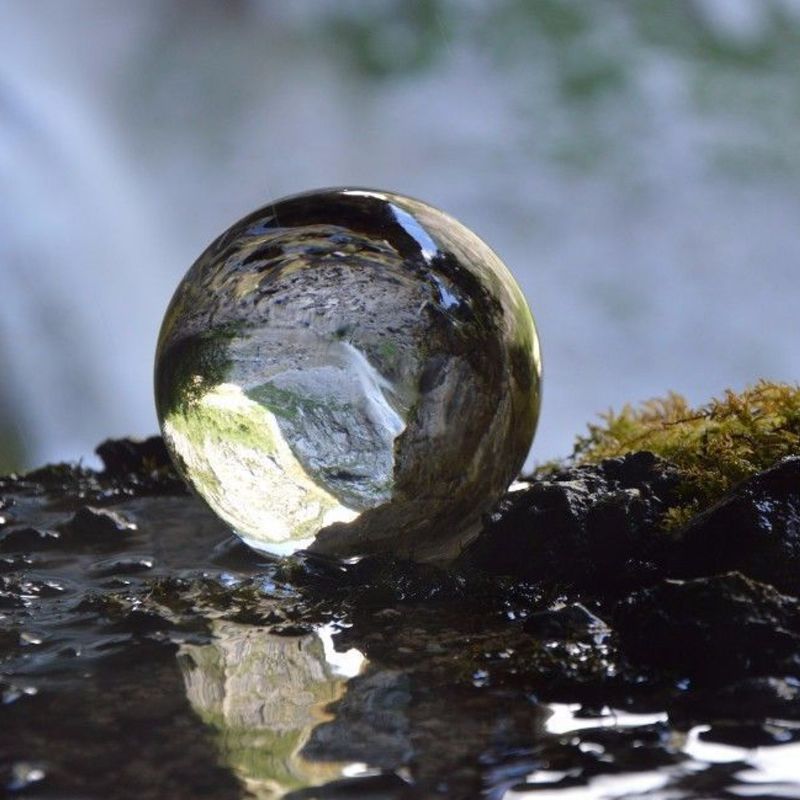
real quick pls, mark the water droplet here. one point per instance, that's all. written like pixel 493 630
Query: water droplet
pixel 349 371
pixel 24 775
pixel 480 678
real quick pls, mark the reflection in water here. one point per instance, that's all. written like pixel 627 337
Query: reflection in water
pixel 564 719
pixel 264 694
pixel 371 723
pixel 691 762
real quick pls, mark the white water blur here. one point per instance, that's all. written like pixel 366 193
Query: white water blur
pixel 80 256
pixel 653 228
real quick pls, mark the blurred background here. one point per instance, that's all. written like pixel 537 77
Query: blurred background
pixel 636 163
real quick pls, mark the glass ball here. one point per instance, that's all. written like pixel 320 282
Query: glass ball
pixel 349 371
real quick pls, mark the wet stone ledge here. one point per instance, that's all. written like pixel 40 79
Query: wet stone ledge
pixel 144 652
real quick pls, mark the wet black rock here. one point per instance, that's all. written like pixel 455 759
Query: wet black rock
pixel 746 699
pixel 710 629
pixel 98 526
pixel 134 466
pixel 121 566
pixel 112 583
pixel 594 526
pixel 569 622
pixel 383 580
pixel 123 457
pixel 58 476
pixel 28 540
pixel 9 640
pixel 743 733
pixel 755 530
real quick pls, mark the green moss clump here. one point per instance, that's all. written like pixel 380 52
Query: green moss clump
pixel 715 446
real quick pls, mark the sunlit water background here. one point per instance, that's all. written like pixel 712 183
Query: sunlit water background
pixel 635 164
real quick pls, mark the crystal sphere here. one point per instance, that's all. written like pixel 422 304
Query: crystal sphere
pixel 349 371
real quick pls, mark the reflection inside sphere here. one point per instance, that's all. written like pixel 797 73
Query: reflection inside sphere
pixel 349 371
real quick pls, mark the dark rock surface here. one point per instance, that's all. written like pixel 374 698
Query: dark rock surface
pixel 145 652
pixel 710 629
pixel 125 457
pixel 755 698
pixel 99 526
pixel 573 621
pixel 596 527
pixel 755 529
pixel 28 540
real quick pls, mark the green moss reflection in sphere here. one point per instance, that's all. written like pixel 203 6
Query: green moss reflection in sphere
pixel 349 371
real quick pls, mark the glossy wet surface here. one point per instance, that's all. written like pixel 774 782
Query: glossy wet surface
pixel 147 654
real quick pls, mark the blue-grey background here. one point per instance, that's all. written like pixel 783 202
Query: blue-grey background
pixel 635 162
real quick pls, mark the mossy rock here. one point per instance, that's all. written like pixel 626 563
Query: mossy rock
pixel 715 446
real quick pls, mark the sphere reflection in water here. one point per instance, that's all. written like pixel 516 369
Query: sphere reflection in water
pixel 264 694
pixel 349 371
